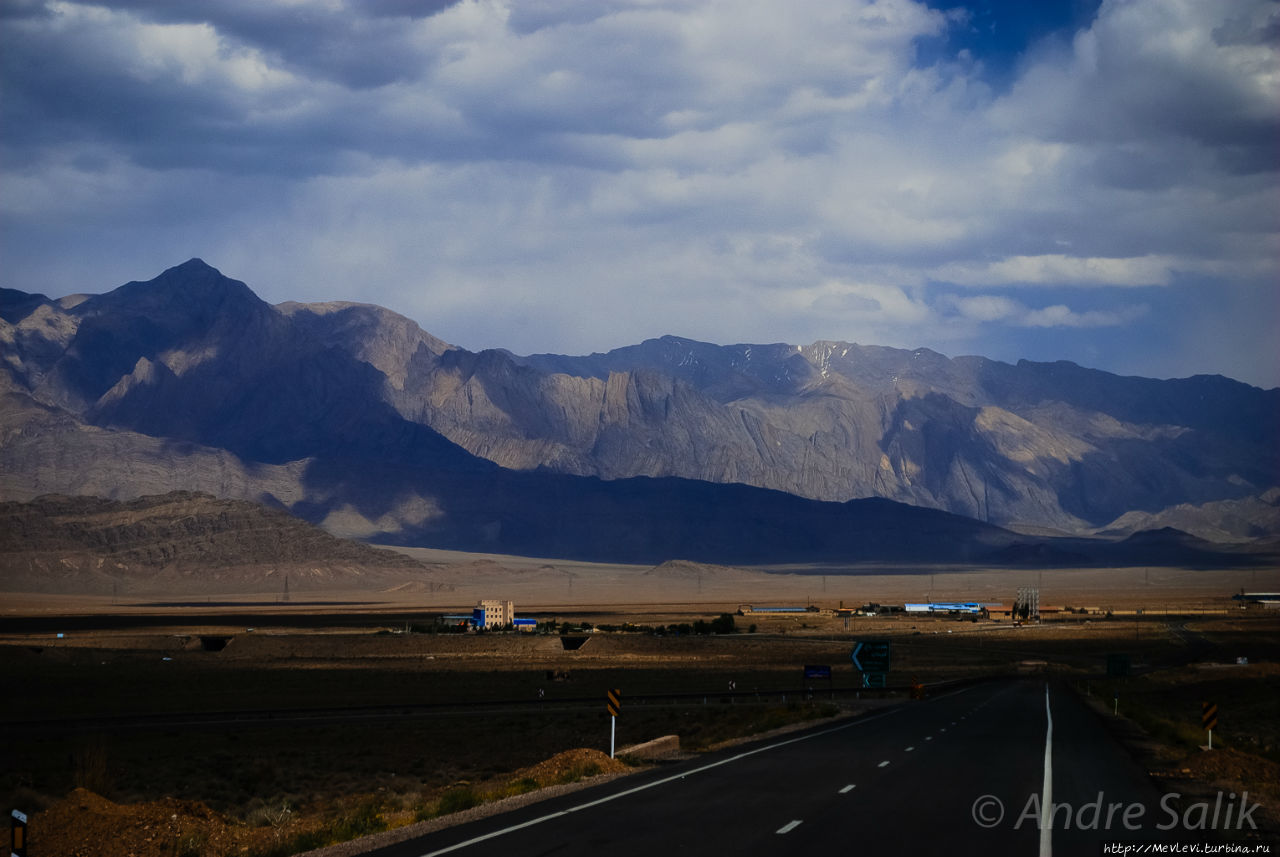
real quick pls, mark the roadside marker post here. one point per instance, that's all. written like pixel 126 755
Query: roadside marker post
pixel 1209 719
pixel 613 703
pixel 18 834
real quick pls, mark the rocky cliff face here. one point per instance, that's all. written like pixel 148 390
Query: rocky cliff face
pixel 298 404
pixel 1046 445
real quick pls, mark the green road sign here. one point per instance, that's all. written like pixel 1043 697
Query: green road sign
pixel 875 680
pixel 871 656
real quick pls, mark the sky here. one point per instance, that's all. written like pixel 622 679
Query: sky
pixel 1076 180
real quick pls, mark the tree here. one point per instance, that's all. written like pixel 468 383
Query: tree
pixel 723 625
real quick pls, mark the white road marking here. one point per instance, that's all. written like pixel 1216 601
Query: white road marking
pixel 848 789
pixel 593 803
pixel 909 749
pixel 1046 791
pixel 928 737
pixel 883 764
pixel 790 826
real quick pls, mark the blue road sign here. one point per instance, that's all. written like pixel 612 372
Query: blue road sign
pixel 871 656
pixel 817 671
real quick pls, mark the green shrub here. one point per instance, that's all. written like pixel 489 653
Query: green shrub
pixel 524 785
pixel 578 772
pixel 361 820
pixel 457 799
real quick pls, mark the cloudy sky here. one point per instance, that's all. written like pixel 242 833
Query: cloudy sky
pixel 1076 180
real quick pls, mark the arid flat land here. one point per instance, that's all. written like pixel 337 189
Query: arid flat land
pixel 270 725
pixel 458 580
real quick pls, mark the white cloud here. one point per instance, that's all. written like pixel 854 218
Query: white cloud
pixel 985 309
pixel 615 170
pixel 1060 269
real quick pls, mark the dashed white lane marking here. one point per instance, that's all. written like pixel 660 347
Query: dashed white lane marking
pixel 928 737
pixel 790 826
pixel 848 788
pixel 909 749
pixel 674 777
pixel 882 764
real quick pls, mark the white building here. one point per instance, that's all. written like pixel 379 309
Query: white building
pixel 491 613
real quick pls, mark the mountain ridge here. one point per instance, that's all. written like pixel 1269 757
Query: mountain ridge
pixel 303 396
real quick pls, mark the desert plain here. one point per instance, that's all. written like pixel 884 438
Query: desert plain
pixel 274 722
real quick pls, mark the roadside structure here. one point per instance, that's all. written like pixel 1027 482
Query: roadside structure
pixel 491 613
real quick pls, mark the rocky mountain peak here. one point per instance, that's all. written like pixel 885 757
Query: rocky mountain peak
pixel 192 289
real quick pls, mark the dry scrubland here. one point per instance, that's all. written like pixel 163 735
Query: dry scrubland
pixel 360 726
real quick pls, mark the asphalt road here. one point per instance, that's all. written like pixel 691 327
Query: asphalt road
pixel 962 773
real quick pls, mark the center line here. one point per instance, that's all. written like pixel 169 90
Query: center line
pixel 1046 790
pixel 848 789
pixel 789 826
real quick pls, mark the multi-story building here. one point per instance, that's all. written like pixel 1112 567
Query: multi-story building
pixel 491 613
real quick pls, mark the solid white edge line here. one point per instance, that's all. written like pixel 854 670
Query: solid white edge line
pixel 673 777
pixel 1046 791
pixel 790 826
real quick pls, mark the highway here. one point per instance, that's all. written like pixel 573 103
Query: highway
pixel 962 773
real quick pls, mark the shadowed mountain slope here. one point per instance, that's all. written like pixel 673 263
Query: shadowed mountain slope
pixel 354 418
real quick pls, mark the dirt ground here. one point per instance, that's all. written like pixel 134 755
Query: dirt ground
pixel 550 586
pixel 182 788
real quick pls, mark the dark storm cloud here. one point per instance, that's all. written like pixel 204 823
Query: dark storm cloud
pixel 361 47
pixel 1127 82
pixel 560 176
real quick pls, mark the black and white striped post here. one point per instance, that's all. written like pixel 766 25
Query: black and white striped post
pixel 1209 719
pixel 613 702
pixel 18 834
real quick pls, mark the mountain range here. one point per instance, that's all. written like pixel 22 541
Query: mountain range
pixel 352 417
